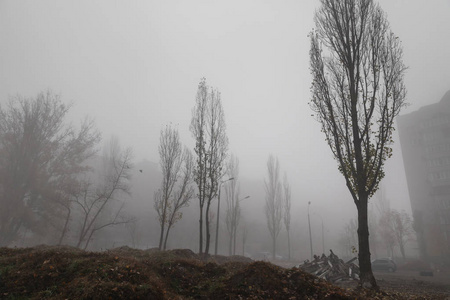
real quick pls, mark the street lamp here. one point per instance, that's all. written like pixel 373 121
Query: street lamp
pixel 244 198
pixel 310 238
pixel 323 238
pixel 218 211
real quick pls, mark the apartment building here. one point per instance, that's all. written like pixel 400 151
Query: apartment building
pixel 425 142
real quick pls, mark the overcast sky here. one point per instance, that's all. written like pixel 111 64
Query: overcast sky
pixel 134 66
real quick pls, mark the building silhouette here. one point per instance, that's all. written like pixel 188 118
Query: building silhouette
pixel 425 142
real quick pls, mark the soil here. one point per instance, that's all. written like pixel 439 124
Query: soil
pixel 46 272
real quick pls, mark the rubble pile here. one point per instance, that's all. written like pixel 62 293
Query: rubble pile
pixel 331 268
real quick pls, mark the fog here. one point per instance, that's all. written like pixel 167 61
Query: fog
pixel 134 66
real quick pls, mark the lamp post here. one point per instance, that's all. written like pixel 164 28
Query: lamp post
pixel 218 211
pixel 310 238
pixel 244 198
pixel 323 238
pixel 234 226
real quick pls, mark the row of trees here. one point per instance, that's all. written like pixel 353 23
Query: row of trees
pixel 181 169
pixel 54 183
pixel 48 186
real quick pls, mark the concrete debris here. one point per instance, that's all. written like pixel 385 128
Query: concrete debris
pixel 331 268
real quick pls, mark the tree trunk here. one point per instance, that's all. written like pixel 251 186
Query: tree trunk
pixel 88 240
pixel 65 227
pixel 230 244
pixel 402 251
pixel 274 244
pixel 234 240
pixel 289 245
pixel 161 235
pixel 83 231
pixel 208 233
pixel 200 221
pixel 167 236
pixel 365 266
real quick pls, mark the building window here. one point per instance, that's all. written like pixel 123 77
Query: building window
pixel 439 162
pixel 434 122
pixel 437 148
pixel 431 137
pixel 442 175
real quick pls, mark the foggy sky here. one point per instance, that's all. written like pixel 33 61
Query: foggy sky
pixel 134 66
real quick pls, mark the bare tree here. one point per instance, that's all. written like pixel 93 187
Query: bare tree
pixel 96 200
pixel 183 194
pixel 233 212
pixel 287 211
pixel 211 145
pixel 397 229
pixel 274 201
pixel 170 150
pixel 357 91
pixel 40 159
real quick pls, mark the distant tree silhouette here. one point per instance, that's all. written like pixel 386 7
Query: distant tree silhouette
pixel 287 211
pixel 41 158
pixel 274 201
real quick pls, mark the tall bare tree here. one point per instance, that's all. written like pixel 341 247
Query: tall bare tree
pixel 183 194
pixel 357 91
pixel 96 197
pixel 170 150
pixel 287 211
pixel 211 145
pixel 274 201
pixel 176 187
pixel 41 157
pixel 233 213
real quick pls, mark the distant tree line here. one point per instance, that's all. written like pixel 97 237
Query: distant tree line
pixel 48 186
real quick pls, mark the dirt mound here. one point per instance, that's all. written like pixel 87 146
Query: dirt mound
pixel 221 259
pixel 124 273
